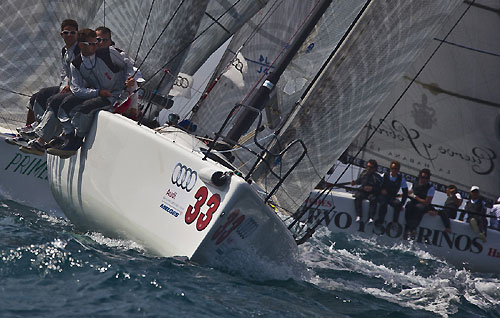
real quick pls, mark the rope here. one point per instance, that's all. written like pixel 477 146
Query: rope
pixel 14 92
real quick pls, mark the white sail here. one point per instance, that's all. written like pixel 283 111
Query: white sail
pixel 221 20
pixel 264 38
pixel 383 44
pixel 449 120
pixel 157 52
pixel 30 57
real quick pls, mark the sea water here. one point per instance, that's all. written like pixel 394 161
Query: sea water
pixel 48 269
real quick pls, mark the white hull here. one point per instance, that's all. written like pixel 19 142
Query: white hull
pixel 124 183
pixel 461 248
pixel 24 178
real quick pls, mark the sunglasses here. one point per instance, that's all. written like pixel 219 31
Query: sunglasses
pixel 425 177
pixel 68 32
pixel 99 40
pixel 89 43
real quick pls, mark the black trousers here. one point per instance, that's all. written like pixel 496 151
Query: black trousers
pixel 382 210
pixel 414 212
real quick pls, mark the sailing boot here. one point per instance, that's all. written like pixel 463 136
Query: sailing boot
pixel 69 147
pixel 34 147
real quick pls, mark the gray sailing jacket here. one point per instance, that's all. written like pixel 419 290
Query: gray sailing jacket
pixel 109 70
pixel 67 56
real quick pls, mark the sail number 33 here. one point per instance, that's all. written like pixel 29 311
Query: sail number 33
pixel 193 213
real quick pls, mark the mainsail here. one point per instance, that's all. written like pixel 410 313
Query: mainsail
pixel 31 51
pixel 385 40
pixel 449 120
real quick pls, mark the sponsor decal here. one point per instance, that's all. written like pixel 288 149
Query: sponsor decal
pixel 233 221
pixel 27 165
pixel 493 252
pixel 247 228
pixel 480 159
pixel 184 177
pixel 343 221
pixel 194 212
pixel 169 202
pixel 169 210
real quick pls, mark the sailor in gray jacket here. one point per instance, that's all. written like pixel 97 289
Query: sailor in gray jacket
pixel 98 77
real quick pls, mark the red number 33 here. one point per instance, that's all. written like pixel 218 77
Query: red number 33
pixel 193 213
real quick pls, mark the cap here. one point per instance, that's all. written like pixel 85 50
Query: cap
pixel 474 188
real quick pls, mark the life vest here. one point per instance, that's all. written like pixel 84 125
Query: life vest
pixel 476 208
pixel 392 187
pixel 104 55
pixel 420 190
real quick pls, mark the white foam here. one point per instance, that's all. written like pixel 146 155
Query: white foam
pixel 439 293
pixel 119 244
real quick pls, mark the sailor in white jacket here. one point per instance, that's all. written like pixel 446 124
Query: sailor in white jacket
pixel 98 77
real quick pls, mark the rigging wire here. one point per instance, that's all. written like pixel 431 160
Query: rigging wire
pixel 174 57
pixel 135 27
pixel 186 46
pixel 144 32
pixel 104 13
pixel 158 39
pixel 14 92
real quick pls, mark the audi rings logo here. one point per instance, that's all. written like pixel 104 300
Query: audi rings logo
pixel 182 81
pixel 238 65
pixel 184 177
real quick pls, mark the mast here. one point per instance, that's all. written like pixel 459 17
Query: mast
pixel 259 99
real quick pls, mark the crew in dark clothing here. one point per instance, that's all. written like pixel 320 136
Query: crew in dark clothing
pixel 477 216
pixel 451 205
pixel 420 202
pixel 393 181
pixel 370 182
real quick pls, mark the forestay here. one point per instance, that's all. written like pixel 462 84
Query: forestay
pixel 449 121
pixel 30 57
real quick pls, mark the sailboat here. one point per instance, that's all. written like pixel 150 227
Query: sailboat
pixel 325 66
pixel 447 122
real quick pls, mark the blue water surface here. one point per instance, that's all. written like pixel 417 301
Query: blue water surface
pixel 48 269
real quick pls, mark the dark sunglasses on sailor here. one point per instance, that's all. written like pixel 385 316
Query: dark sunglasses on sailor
pixel 424 176
pixel 89 43
pixel 103 40
pixel 68 32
